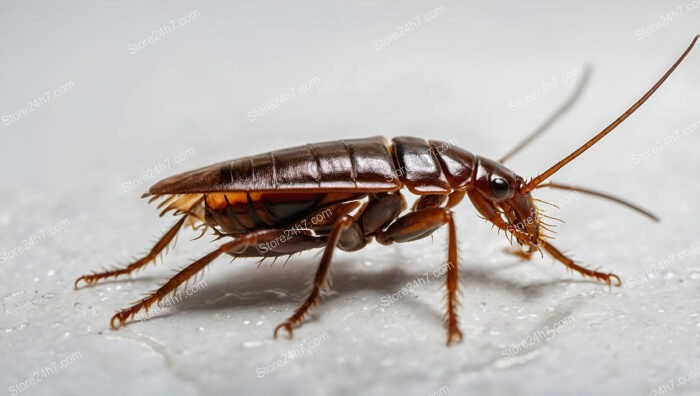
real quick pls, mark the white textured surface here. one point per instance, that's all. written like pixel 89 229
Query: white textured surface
pixel 452 78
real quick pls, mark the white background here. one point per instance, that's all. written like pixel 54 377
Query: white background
pixel 452 78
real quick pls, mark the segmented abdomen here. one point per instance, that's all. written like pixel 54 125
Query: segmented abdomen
pixel 358 165
pixel 280 187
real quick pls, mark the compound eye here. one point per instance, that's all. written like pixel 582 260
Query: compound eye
pixel 499 188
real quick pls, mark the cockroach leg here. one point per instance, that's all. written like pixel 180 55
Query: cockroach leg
pixel 416 225
pixel 428 201
pixel 489 211
pixel 380 211
pixel 455 198
pixel 236 246
pixel 559 256
pixel 525 255
pixel 607 277
pixel 150 257
pixel 320 281
pixel 451 320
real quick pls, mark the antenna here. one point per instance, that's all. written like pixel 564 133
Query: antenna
pixel 549 172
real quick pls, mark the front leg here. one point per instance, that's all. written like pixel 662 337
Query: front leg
pixel 416 225
pixel 265 243
pixel 236 246
pixel 525 255
pixel 491 213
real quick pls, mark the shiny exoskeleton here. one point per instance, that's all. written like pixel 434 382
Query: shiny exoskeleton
pixel 344 194
pixel 278 189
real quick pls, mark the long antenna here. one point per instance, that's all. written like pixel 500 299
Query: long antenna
pixel 601 195
pixel 558 113
pixel 549 172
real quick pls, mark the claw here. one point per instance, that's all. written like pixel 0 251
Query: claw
pixel 88 279
pixel 612 276
pixel 455 335
pixel 82 278
pixel 287 326
pixel 118 320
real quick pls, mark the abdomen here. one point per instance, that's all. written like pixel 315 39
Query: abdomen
pixel 280 187
pixel 358 165
pixel 243 212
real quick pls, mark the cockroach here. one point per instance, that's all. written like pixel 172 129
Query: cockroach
pixel 343 194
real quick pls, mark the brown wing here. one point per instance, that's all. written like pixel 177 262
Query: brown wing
pixel 358 165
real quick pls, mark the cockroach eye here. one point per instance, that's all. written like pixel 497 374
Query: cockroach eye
pixel 499 188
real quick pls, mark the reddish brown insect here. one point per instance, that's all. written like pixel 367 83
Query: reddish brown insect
pixel 344 193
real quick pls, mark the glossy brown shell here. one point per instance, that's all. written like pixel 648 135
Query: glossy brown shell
pixel 356 165
pixel 344 166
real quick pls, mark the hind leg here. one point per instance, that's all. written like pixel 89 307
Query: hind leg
pixel 150 257
pixel 256 244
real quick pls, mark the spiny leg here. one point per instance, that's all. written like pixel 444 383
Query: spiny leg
pixel 319 282
pixel 264 243
pixel 150 257
pixel 492 214
pixel 525 255
pixel 238 245
pixel 416 225
pixel 606 277
pixel 452 282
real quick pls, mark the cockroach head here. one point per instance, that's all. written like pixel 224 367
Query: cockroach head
pixel 504 199
pixel 498 196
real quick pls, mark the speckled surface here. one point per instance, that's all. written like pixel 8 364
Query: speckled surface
pixel 73 170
